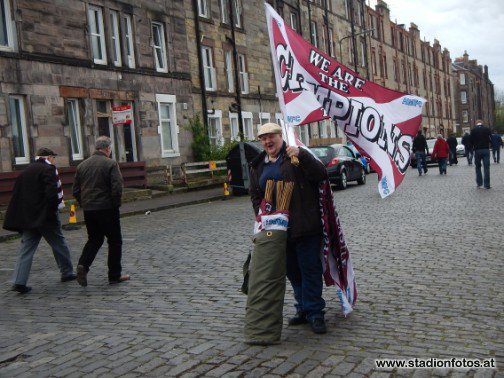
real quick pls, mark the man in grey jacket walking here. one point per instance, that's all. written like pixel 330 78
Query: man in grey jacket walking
pixel 98 189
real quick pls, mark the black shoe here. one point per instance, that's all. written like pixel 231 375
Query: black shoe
pixel 81 275
pixel 318 325
pixel 70 277
pixel 298 319
pixel 124 277
pixel 22 289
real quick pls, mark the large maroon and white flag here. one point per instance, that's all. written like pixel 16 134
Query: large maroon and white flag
pixel 312 86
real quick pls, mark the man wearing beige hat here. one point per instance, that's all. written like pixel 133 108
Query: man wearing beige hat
pixel 304 264
pixel 33 211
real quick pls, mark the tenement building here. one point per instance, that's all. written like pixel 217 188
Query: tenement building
pixel 141 71
pixel 476 94
pixel 73 70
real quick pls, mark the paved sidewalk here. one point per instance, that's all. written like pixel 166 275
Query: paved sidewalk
pixel 165 202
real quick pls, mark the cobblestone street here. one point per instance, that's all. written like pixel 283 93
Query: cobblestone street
pixel 429 270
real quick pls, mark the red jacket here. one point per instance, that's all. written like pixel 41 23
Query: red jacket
pixel 441 149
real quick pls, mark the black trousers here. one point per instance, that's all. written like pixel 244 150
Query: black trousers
pixel 101 224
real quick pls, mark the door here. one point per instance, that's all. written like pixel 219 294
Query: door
pixel 122 135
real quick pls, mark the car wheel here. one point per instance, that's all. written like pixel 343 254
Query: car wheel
pixel 342 184
pixel 362 179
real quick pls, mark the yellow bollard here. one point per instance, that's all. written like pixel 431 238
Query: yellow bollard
pixel 73 216
pixel 226 189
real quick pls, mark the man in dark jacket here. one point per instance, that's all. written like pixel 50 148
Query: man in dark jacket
pixel 304 264
pixel 480 139
pixel 420 148
pixel 452 144
pixel 33 211
pixel 98 189
pixel 496 141
pixel 466 141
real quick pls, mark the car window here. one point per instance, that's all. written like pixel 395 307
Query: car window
pixel 348 152
pixel 321 152
pixel 430 143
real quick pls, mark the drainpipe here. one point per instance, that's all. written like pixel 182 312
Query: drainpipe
pixel 200 66
pixel 354 45
pixel 237 79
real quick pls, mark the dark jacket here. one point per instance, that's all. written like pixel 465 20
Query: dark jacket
pixel 420 144
pixel 304 218
pixel 452 143
pixel 466 141
pixel 98 183
pixel 480 137
pixel 34 201
pixel 496 141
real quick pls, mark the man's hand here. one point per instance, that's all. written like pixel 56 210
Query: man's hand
pixel 292 151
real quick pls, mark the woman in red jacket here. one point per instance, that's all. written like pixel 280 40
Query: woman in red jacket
pixel 441 151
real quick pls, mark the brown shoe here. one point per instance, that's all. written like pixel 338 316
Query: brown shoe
pixel 122 278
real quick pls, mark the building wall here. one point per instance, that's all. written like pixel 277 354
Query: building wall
pixel 472 79
pixel 52 61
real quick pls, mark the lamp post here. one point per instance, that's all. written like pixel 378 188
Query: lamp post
pixel 366 31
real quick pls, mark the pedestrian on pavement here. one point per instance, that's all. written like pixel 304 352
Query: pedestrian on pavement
pixel 33 211
pixel 452 143
pixel 98 189
pixel 304 240
pixel 420 149
pixel 497 144
pixel 441 152
pixel 466 141
pixel 481 139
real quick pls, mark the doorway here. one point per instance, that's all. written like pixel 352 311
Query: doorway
pixel 122 135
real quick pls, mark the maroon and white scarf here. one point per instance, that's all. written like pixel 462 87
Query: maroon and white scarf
pixel 61 203
pixel 338 269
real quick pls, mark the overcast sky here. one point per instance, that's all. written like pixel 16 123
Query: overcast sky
pixel 459 25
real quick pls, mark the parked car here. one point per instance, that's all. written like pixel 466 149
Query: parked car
pixel 341 163
pixel 428 158
pixel 363 159
pixel 460 147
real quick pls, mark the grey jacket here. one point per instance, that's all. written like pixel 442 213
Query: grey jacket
pixel 98 183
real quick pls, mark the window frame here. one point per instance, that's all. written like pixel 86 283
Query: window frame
pixel 94 11
pixel 10 31
pixel 219 140
pixel 463 97
pixel 171 101
pixel 205 13
pixel 209 72
pixel 313 34
pixel 228 67
pixel 462 78
pixel 243 74
pixel 75 128
pixel 128 38
pixel 234 136
pixel 21 126
pixel 248 128
pixel 115 38
pixel 162 47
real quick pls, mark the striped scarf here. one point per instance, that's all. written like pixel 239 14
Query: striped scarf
pixel 61 203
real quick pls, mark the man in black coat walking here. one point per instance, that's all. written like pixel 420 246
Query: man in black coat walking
pixel 452 143
pixel 33 211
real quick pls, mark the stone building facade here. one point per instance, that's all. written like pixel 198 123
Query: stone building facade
pixel 65 65
pixel 139 71
pixel 476 98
